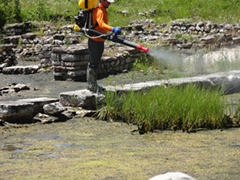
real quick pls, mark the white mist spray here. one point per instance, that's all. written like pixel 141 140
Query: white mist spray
pixel 166 57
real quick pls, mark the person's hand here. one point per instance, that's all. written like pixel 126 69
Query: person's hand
pixel 116 30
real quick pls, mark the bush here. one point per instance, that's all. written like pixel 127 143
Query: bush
pixel 2 18
pixel 10 11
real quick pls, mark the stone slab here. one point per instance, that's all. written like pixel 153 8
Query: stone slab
pixel 21 69
pixel 230 81
pixel 38 103
pixel 16 112
pixel 80 98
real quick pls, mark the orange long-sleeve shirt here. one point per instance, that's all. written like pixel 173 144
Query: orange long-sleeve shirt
pixel 100 16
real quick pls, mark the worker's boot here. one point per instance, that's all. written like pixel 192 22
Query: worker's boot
pixel 92 79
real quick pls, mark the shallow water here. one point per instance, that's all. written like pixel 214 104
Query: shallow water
pixel 90 149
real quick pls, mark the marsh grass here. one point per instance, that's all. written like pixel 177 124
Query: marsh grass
pixel 177 107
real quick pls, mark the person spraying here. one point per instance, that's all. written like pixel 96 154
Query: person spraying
pixel 93 22
pixel 96 44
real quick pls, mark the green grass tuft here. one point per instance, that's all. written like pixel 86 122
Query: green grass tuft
pixel 186 108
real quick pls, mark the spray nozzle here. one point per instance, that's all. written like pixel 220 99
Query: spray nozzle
pixel 144 49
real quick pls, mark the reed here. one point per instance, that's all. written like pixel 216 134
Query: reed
pixel 178 107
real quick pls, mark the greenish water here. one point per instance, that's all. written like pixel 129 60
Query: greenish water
pixel 90 149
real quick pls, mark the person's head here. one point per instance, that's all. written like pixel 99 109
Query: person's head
pixel 106 3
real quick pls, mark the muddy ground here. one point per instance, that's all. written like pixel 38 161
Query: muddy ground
pixel 85 148
pixel 88 149
pixel 43 84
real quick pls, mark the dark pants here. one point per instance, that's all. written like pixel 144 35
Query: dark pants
pixel 95 50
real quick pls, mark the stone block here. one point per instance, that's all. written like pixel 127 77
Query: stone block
pixel 80 98
pixel 21 69
pixel 38 103
pixel 76 73
pixel 16 112
pixel 53 108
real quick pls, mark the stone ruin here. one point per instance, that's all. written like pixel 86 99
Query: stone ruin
pixel 46 45
pixel 7 56
pixel 70 63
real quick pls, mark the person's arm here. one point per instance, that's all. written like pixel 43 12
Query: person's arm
pixel 101 23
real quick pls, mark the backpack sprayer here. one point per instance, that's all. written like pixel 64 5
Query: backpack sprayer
pixel 84 24
pixel 113 38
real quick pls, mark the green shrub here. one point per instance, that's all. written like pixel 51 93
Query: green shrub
pixel 10 11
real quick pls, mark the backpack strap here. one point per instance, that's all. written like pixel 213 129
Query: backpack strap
pixel 86 4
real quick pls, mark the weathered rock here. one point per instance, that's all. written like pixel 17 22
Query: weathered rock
pixel 16 112
pixel 208 39
pixel 19 28
pixel 79 112
pixel 45 118
pixel 229 81
pixel 38 103
pixel 53 108
pixel 11 40
pixel 20 87
pixel 55 112
pixel 29 36
pixel 7 55
pixel 59 36
pixel 13 88
pixel 21 69
pixel 81 98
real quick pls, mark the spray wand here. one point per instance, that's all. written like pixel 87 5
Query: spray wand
pixel 92 32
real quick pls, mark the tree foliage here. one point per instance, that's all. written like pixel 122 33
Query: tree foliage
pixel 10 11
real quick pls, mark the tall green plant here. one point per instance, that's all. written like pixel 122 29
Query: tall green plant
pixel 185 107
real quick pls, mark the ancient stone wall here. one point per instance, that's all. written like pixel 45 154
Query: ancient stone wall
pixel 70 62
pixel 42 43
pixel 7 56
